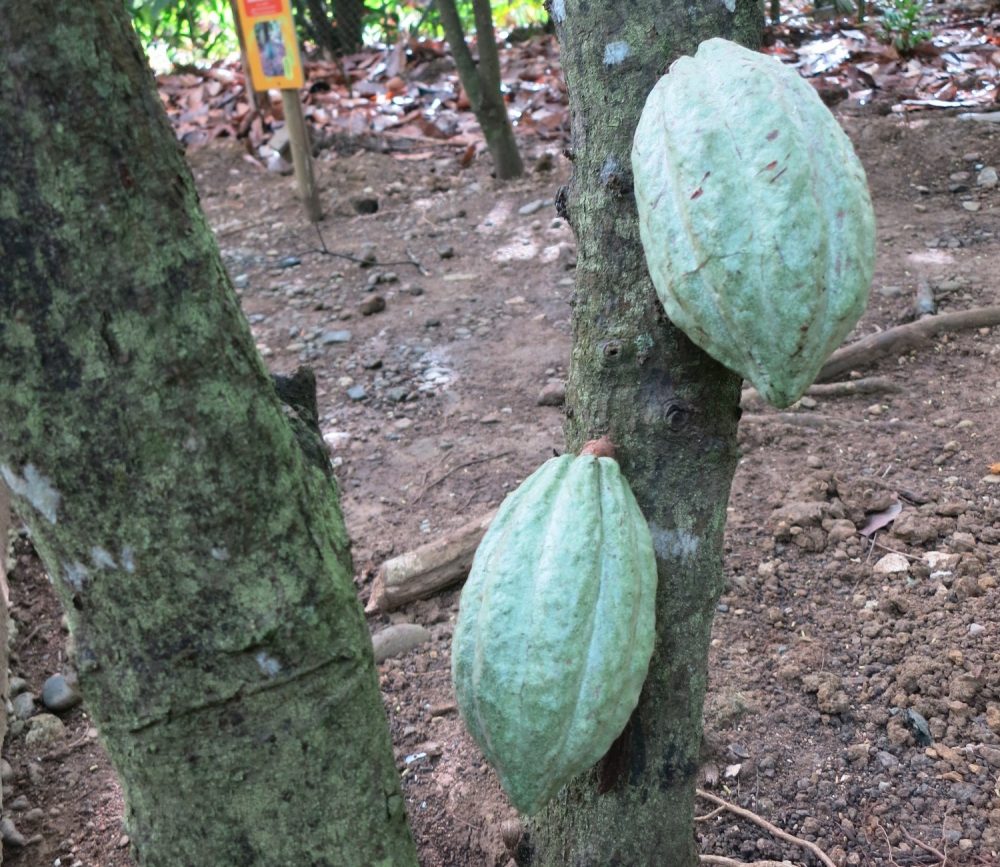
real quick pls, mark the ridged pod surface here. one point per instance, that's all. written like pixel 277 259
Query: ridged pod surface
pixel 754 215
pixel 556 626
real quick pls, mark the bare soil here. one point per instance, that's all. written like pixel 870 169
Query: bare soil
pixel 818 658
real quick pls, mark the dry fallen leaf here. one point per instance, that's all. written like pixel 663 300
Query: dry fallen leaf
pixel 995 469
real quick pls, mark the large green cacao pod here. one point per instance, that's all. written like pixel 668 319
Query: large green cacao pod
pixel 754 215
pixel 556 626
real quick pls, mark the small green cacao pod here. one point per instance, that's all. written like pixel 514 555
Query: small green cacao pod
pixel 754 215
pixel 556 626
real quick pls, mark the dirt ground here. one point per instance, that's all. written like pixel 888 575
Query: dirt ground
pixel 824 666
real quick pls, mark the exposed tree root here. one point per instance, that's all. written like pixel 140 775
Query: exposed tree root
pixel 732 862
pixel 904 337
pixel 771 829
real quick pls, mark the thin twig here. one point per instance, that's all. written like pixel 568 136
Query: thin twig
pixel 935 852
pixel 455 469
pixel 416 262
pixel 763 823
pixel 711 815
pixel 892 860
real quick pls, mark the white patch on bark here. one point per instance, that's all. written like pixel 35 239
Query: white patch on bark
pixel 730 5
pixel 128 559
pixel 616 52
pixel 558 11
pixel 221 553
pixel 268 664
pixel 76 575
pixel 102 559
pixel 35 488
pixel 674 544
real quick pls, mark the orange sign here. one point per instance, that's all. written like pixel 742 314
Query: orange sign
pixel 271 45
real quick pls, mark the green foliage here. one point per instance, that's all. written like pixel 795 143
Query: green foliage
pixel 902 25
pixel 189 30
pixel 184 30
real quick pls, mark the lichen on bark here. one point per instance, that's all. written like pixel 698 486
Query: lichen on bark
pixel 199 552
pixel 672 414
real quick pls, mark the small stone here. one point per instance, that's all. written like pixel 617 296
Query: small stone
pixel 398 639
pixel 20 803
pixel 241 281
pixel 357 392
pixel 962 542
pixel 11 836
pixel 532 207
pixel 6 773
pixel 331 337
pixel 397 394
pixel 976 629
pixel 959 177
pixel 17 685
pixel 552 394
pixel 416 291
pixel 857 754
pixel 45 728
pixel 432 323
pixel 59 694
pixel 991 479
pixel 988 178
pixel 892 564
pixel 373 304
pixel 971 206
pixel 289 261
pixel 446 251
pixel 887 760
pixel 24 705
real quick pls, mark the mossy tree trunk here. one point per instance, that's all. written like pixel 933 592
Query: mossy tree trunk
pixel 671 410
pixel 482 84
pixel 199 551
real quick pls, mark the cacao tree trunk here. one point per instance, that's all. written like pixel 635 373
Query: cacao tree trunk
pixel 482 84
pixel 199 551
pixel 671 410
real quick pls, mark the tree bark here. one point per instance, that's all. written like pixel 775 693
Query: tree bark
pixel 337 31
pixel 671 411
pixel 200 555
pixel 482 84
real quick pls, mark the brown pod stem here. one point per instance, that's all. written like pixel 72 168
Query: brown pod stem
pixel 599 448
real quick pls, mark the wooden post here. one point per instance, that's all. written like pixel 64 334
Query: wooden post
pixel 298 137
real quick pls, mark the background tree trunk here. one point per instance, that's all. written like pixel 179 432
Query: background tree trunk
pixel 336 31
pixel 482 84
pixel 199 553
pixel 671 410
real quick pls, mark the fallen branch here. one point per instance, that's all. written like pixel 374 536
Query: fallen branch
pixel 772 829
pixel 904 337
pixel 821 422
pixel 427 569
pixel 866 385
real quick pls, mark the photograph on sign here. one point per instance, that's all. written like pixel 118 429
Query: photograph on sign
pixel 271 45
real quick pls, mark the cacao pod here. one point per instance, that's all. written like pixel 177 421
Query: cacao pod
pixel 556 626
pixel 754 215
